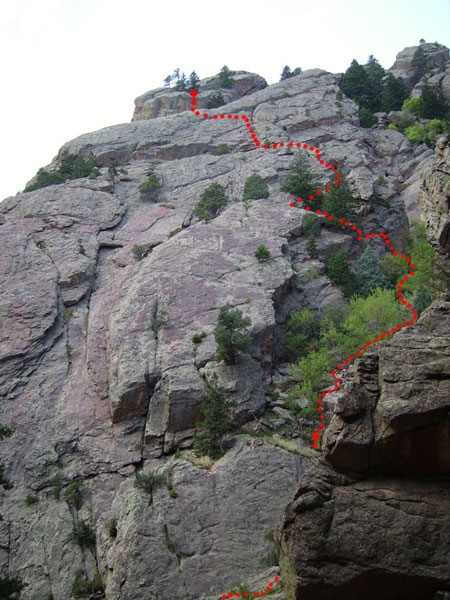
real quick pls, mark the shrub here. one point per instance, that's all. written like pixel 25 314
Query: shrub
pixel 310 224
pixel 158 320
pixel 72 495
pixel 73 166
pixel 56 486
pixel 302 333
pixel 83 587
pixel 83 534
pixel 393 126
pixel 422 299
pixel 197 338
pixel 5 432
pixel 262 253
pixel 3 481
pixel 255 188
pixel 339 202
pixel 221 149
pixel 112 528
pixel 149 189
pixel 287 73
pixel 339 272
pixel 175 231
pixel 141 250
pixel 311 247
pixel 231 334
pixel 414 106
pixel 216 100
pixel 369 274
pixel 212 200
pixel 67 314
pixel 215 413
pixel 31 499
pixel 366 118
pixel 300 180
pixel 148 482
pixel 269 560
pixel 9 586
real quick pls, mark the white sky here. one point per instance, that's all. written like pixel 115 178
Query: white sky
pixel 73 66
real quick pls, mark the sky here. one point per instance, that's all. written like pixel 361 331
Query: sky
pixel 73 66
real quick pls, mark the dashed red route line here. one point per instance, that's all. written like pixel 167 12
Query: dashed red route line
pixel 360 237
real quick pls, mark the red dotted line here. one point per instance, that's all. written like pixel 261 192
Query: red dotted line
pixel 269 588
pixel 315 436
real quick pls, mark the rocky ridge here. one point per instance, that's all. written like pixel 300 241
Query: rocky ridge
pixel 99 377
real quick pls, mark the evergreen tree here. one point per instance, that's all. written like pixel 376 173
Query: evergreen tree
pixel 354 83
pixel 225 79
pixel 310 224
pixel 339 202
pixel 301 179
pixel 231 334
pixel 311 247
pixel 339 272
pixel 302 334
pixel 168 81
pixel 181 83
pixel 193 81
pixel 212 200
pixel 434 106
pixel 422 299
pixel 375 75
pixel 287 73
pixel 419 65
pixel 215 411
pixel 395 91
pixel 369 274
pixel 255 188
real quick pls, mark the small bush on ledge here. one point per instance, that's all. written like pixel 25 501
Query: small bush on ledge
pixel 148 482
pixel 262 253
pixel 140 251
pixel 149 189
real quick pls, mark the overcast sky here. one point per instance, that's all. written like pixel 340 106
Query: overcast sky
pixel 73 66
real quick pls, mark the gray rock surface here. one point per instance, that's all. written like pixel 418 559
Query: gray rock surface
pixel 99 377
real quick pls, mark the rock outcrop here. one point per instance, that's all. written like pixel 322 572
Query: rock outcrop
pixel 99 377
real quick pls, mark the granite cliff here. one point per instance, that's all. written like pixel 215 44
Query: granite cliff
pixel 100 380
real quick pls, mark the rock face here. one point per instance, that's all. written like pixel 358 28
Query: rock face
pixel 434 198
pixel 99 377
pixel 166 101
pixel 378 521
pixel 437 62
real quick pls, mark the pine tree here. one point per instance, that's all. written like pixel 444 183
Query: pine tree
pixel 339 272
pixel 225 79
pixel 168 81
pixel 354 83
pixel 193 81
pixel 311 247
pixel 419 64
pixel 395 91
pixel 422 299
pixel 375 75
pixel 369 274
pixel 301 179
pixel 215 411
pixel 434 106
pixel 339 202
pixel 231 334
pixel 286 73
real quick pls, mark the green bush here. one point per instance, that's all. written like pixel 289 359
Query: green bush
pixel 366 118
pixel 212 200
pixel 72 495
pixel 215 419
pixel 310 224
pixel 56 486
pixel 221 149
pixel 300 180
pixel 311 247
pixel 339 202
pixel 5 432
pixel 216 100
pixel 369 274
pixel 141 250
pixel 175 231
pixel 197 338
pixel 414 106
pixel 231 334
pixel 31 499
pixel 262 253
pixel 84 588
pixel 255 188
pixel 9 587
pixel 393 126
pixel 149 189
pixel 83 534
pixel 269 560
pixel 73 166
pixel 112 528
pixel 422 299
pixel 148 482
pixel 302 333
pixel 339 272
